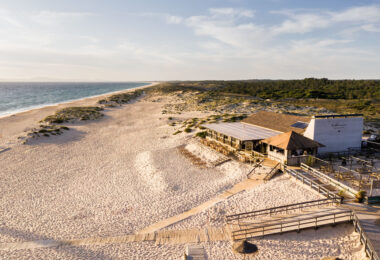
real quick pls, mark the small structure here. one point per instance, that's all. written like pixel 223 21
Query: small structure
pixel 239 135
pixel 331 133
pixel 288 147
pixel 194 252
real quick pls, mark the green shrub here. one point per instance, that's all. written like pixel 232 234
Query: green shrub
pixel 74 113
pixel 202 134
pixel 121 98
pixel 202 127
pixel 360 196
pixel 187 130
pixel 170 118
pixel 310 161
pixel 177 132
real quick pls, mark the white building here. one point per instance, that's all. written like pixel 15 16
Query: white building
pixel 284 137
pixel 337 132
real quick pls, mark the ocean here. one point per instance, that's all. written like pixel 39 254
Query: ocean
pixel 17 97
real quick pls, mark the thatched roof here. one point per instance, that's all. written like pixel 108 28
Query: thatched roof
pixel 278 122
pixel 292 141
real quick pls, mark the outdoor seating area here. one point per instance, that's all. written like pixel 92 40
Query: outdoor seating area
pixel 359 173
pixel 225 150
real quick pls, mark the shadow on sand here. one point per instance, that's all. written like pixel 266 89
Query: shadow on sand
pixel 67 136
pixel 79 252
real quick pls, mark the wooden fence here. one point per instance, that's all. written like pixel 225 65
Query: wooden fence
pixel 286 208
pixel 296 224
pixel 328 180
pixel 368 247
pixel 272 172
pixel 312 184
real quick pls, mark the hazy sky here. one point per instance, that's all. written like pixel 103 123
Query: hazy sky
pixel 188 39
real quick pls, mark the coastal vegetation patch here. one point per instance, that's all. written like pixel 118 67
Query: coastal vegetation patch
pixel 120 99
pixel 46 130
pixel 71 114
pixel 302 97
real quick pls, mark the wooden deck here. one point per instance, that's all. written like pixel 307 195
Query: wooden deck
pixel 311 219
pixel 369 226
pixel 366 218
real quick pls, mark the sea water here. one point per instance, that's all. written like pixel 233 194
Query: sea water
pixel 18 97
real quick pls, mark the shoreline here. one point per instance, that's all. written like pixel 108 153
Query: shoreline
pixel 14 125
pixel 149 84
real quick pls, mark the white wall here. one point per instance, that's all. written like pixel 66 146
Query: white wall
pixel 337 134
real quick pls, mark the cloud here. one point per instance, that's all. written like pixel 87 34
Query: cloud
pixel 226 43
pixel 172 19
pixel 47 17
pixel 357 14
pixel 239 12
pixel 226 25
pixel 302 23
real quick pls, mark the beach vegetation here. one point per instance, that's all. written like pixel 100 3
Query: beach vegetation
pixel 187 130
pixel 121 98
pixel 202 134
pixel 360 196
pixel 294 96
pixel 177 132
pixel 70 114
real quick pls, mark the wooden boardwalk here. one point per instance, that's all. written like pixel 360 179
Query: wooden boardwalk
pixel 311 219
pixel 244 185
pixel 369 220
pixel 184 236
pixel 366 218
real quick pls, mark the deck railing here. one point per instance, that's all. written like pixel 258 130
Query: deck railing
pixel 294 224
pixel 280 209
pixel 257 165
pixel 272 172
pixel 368 247
pixel 328 179
pixel 312 184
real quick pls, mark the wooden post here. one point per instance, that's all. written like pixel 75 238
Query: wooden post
pixel 316 222
pixel 299 223
pixel 360 234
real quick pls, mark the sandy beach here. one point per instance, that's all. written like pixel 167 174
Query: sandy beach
pixel 122 173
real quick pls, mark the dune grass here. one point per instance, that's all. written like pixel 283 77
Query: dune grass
pixel 71 114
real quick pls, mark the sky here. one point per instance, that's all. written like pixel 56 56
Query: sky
pixel 148 40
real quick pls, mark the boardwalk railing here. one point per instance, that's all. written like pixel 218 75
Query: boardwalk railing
pixel 368 247
pixel 328 179
pixel 272 172
pixel 257 165
pixel 286 208
pixel 296 224
pixel 313 184
pixel 4 149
